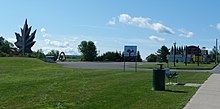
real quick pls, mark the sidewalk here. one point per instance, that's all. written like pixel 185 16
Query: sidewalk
pixel 208 95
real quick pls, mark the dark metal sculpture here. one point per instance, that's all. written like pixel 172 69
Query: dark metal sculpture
pixel 25 40
pixel 62 56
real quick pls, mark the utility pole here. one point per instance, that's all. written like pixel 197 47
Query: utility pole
pixel 198 56
pixel 216 53
pixel 174 60
pixel 186 56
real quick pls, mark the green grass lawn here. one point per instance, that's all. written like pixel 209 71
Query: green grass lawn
pixel 73 60
pixel 180 65
pixel 27 83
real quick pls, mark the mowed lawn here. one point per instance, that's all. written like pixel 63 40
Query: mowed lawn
pixel 27 83
pixel 180 65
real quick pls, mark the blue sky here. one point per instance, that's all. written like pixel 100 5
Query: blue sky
pixel 149 24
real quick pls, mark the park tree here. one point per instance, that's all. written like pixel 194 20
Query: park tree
pixel 54 53
pixel 213 54
pixel 162 53
pixel 118 56
pixel 39 54
pixel 139 57
pixel 5 46
pixel 151 58
pixel 111 56
pixel 25 40
pixel 179 50
pixel 88 50
pixel 172 51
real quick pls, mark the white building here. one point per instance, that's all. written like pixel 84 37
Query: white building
pixel 179 58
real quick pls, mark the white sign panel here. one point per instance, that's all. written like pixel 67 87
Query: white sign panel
pixel 130 51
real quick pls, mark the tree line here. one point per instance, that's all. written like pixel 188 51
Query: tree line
pixel 87 49
pixel 5 47
pixel 89 53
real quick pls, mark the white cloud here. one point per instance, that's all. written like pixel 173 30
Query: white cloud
pixel 218 26
pixel 56 43
pixel 137 21
pixel 156 38
pixel 67 50
pixel 144 23
pixel 72 39
pixel 161 28
pixel 44 32
pixel 68 47
pixel 112 22
pixel 186 33
pixel 95 42
pixel 124 18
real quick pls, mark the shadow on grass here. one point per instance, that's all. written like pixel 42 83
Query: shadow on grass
pixel 176 91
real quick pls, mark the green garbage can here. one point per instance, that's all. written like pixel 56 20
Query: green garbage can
pixel 159 78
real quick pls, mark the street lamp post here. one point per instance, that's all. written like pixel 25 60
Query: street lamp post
pixel 198 56
pixel 216 53
pixel 174 60
pixel 186 56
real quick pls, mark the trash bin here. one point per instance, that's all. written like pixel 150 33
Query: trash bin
pixel 159 78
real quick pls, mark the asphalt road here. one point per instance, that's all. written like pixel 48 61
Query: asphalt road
pixel 98 65
pixel 113 65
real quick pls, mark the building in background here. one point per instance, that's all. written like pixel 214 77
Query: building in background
pixel 188 54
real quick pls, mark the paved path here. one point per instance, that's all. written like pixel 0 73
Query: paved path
pixel 216 70
pixel 208 95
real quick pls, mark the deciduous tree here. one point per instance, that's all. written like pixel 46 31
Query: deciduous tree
pixel 5 46
pixel 88 50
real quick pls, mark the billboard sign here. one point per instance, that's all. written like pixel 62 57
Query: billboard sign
pixel 130 51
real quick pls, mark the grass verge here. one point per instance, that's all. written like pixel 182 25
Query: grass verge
pixel 181 65
pixel 73 60
pixel 31 83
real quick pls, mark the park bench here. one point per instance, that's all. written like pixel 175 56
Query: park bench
pixel 171 75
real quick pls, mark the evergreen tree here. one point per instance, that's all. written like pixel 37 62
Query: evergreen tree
pixel 151 58
pixel 139 57
pixel 171 51
pixel 162 53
